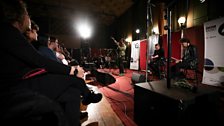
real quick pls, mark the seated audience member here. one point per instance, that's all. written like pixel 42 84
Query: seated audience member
pixel 67 54
pixel 189 59
pixel 60 54
pixel 157 59
pixel 47 47
pixel 56 48
pixel 31 34
pixel 26 69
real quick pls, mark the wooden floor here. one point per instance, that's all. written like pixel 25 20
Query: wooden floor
pixel 100 114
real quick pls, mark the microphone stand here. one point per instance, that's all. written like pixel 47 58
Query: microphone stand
pixel 168 10
pixel 149 19
pixel 169 47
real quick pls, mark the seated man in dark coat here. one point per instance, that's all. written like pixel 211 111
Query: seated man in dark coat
pixel 157 60
pixel 188 61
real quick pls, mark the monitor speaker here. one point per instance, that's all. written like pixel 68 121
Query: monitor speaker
pixel 103 77
pixel 138 78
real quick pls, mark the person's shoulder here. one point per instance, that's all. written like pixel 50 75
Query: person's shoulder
pixel 7 28
pixel 44 49
pixel 161 49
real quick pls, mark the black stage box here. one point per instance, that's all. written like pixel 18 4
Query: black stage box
pixel 137 77
pixel 154 103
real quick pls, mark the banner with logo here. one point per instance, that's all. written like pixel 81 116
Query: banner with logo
pixel 153 39
pixel 135 49
pixel 213 73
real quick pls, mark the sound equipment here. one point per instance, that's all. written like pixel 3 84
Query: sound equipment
pixel 103 77
pixel 137 77
pixel 155 103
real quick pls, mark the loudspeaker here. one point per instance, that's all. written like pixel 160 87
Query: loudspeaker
pixel 137 78
pixel 155 103
pixel 103 78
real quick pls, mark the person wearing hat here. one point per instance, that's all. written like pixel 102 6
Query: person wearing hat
pixel 188 61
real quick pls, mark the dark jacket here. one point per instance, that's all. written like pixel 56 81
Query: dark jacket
pixel 160 53
pixel 47 52
pixel 190 56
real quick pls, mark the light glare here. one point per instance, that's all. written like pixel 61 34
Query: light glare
pixel 84 30
pixel 137 31
pixel 181 20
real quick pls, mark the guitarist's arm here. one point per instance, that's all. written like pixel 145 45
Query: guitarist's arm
pixel 154 56
pixel 115 41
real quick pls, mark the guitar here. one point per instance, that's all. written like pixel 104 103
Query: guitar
pixel 176 60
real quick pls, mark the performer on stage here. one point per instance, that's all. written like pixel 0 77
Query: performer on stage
pixel 189 59
pixel 157 59
pixel 121 54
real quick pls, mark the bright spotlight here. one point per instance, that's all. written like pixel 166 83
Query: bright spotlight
pixel 84 30
pixel 137 31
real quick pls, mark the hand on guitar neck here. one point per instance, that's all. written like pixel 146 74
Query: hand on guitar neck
pixel 176 60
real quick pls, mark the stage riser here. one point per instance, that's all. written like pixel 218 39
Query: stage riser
pixel 156 107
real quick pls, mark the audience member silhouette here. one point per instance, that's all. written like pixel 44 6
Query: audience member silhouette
pixel 32 35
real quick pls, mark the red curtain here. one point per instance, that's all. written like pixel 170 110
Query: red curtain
pixel 143 51
pixel 176 47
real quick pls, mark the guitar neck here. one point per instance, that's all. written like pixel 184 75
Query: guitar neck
pixel 174 58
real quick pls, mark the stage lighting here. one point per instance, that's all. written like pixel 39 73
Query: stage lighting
pixel 137 31
pixel 84 30
pixel 181 22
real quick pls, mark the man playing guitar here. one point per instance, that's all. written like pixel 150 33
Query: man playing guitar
pixel 189 59
pixel 157 59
